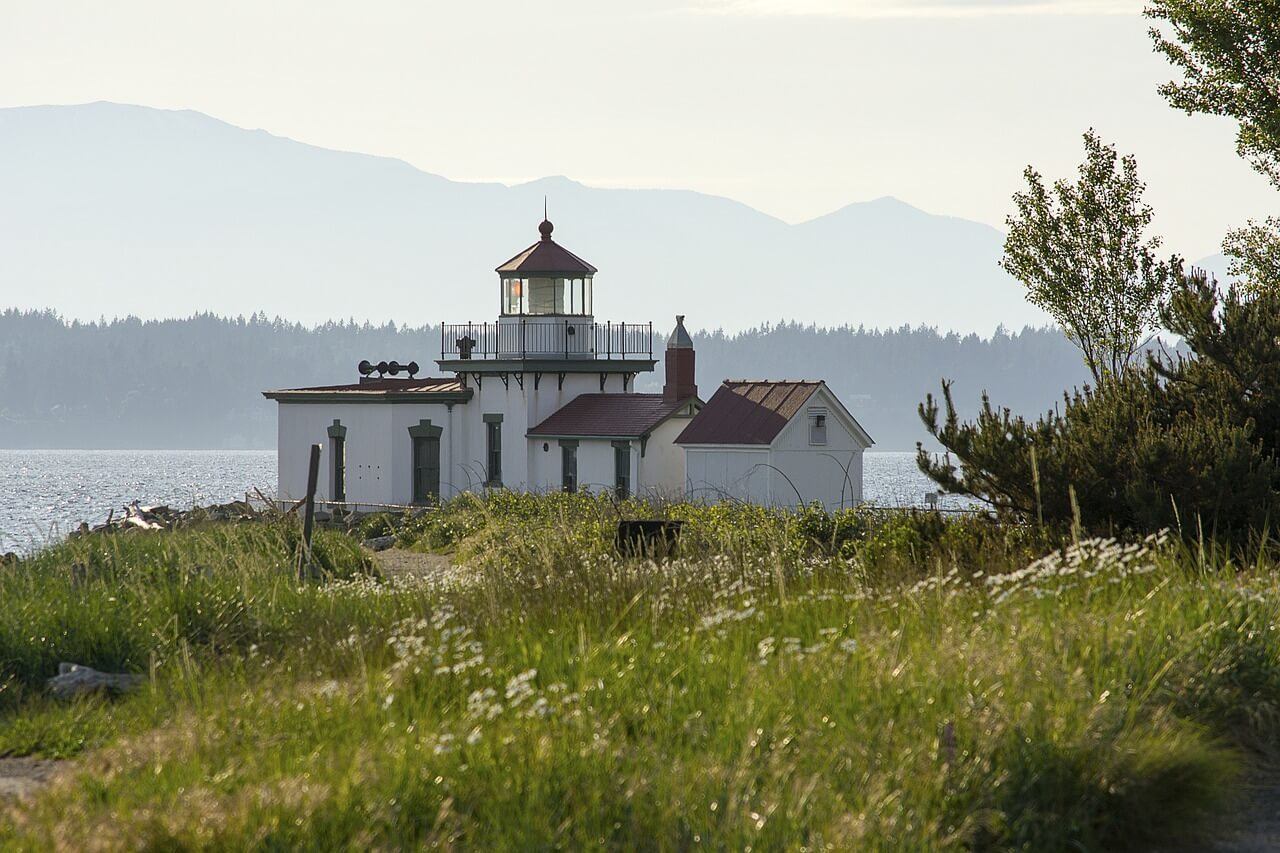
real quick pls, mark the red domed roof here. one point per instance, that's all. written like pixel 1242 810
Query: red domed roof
pixel 547 257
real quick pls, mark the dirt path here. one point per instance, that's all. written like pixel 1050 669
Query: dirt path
pixel 399 563
pixel 1259 825
pixel 22 776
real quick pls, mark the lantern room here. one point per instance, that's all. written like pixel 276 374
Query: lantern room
pixel 546 311
pixel 546 280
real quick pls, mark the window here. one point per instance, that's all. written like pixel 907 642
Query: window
pixel 338 447
pixel 569 465
pixel 818 426
pixel 546 296
pixel 338 467
pixel 512 296
pixel 622 469
pixel 493 449
pixel 426 461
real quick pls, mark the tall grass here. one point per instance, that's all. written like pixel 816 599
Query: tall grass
pixel 904 683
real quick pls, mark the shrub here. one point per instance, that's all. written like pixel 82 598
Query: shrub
pixel 1188 442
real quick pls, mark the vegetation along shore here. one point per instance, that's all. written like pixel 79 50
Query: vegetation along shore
pixel 872 680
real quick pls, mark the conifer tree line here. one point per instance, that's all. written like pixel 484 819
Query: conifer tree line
pixel 195 382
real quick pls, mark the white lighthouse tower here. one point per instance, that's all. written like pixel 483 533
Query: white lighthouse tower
pixel 542 398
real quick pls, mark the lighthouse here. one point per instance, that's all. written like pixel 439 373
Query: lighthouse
pixel 543 398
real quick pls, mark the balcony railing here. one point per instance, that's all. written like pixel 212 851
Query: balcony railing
pixel 546 337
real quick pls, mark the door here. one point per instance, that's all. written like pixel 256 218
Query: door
pixel 426 469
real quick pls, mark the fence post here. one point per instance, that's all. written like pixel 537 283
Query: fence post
pixel 309 519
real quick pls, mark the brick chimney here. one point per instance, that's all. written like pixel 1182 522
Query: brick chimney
pixel 680 372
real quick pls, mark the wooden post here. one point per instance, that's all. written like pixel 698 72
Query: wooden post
pixel 309 519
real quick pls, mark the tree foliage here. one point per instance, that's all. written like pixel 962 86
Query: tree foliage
pixel 1080 250
pixel 1187 441
pixel 1255 255
pixel 1229 54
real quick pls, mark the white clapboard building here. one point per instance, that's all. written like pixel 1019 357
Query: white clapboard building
pixel 780 443
pixel 544 399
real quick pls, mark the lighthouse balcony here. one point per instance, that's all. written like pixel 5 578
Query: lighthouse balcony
pixel 546 337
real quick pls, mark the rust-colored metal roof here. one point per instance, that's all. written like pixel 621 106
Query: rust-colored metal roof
pixel 745 412
pixel 547 257
pixel 426 388
pixel 609 415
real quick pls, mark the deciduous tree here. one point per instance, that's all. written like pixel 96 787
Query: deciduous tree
pixel 1081 251
pixel 1229 54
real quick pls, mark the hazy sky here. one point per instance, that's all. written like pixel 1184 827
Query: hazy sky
pixel 796 107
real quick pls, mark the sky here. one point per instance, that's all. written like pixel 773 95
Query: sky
pixel 795 107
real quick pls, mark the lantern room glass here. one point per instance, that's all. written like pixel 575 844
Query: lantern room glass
pixel 547 296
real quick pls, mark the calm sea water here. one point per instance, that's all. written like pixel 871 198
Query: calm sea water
pixel 45 493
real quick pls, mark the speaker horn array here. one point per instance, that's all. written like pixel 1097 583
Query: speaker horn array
pixel 387 368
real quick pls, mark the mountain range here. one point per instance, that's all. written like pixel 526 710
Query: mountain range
pixel 111 210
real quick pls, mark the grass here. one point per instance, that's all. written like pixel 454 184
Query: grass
pixel 867 681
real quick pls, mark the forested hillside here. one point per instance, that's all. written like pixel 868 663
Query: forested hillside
pixel 195 382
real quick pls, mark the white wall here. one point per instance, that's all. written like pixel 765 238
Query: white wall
pixel 369 466
pixel 662 471
pixel 791 470
pixel 721 473
pixel 595 464
pixel 818 472
pixel 379 467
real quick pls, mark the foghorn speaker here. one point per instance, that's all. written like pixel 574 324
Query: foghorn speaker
pixel 364 367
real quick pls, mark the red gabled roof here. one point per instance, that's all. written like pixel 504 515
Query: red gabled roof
pixel 742 412
pixel 602 415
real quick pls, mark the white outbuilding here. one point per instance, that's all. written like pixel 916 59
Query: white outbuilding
pixel 777 443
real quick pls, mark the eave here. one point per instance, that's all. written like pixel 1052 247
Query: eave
pixel 547 365
pixel 446 397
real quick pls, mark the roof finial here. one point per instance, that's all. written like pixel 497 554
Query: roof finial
pixel 546 227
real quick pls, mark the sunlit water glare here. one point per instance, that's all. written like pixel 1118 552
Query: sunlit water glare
pixel 45 493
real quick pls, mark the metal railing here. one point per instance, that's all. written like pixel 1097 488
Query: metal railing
pixel 546 337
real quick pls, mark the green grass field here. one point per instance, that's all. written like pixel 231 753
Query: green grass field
pixel 870 681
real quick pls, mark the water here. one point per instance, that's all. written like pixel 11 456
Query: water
pixel 894 480
pixel 45 493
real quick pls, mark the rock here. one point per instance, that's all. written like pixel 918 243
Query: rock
pixel 74 680
pixel 379 543
pixel 8 559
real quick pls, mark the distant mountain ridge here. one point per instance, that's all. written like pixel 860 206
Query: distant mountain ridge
pixel 111 210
